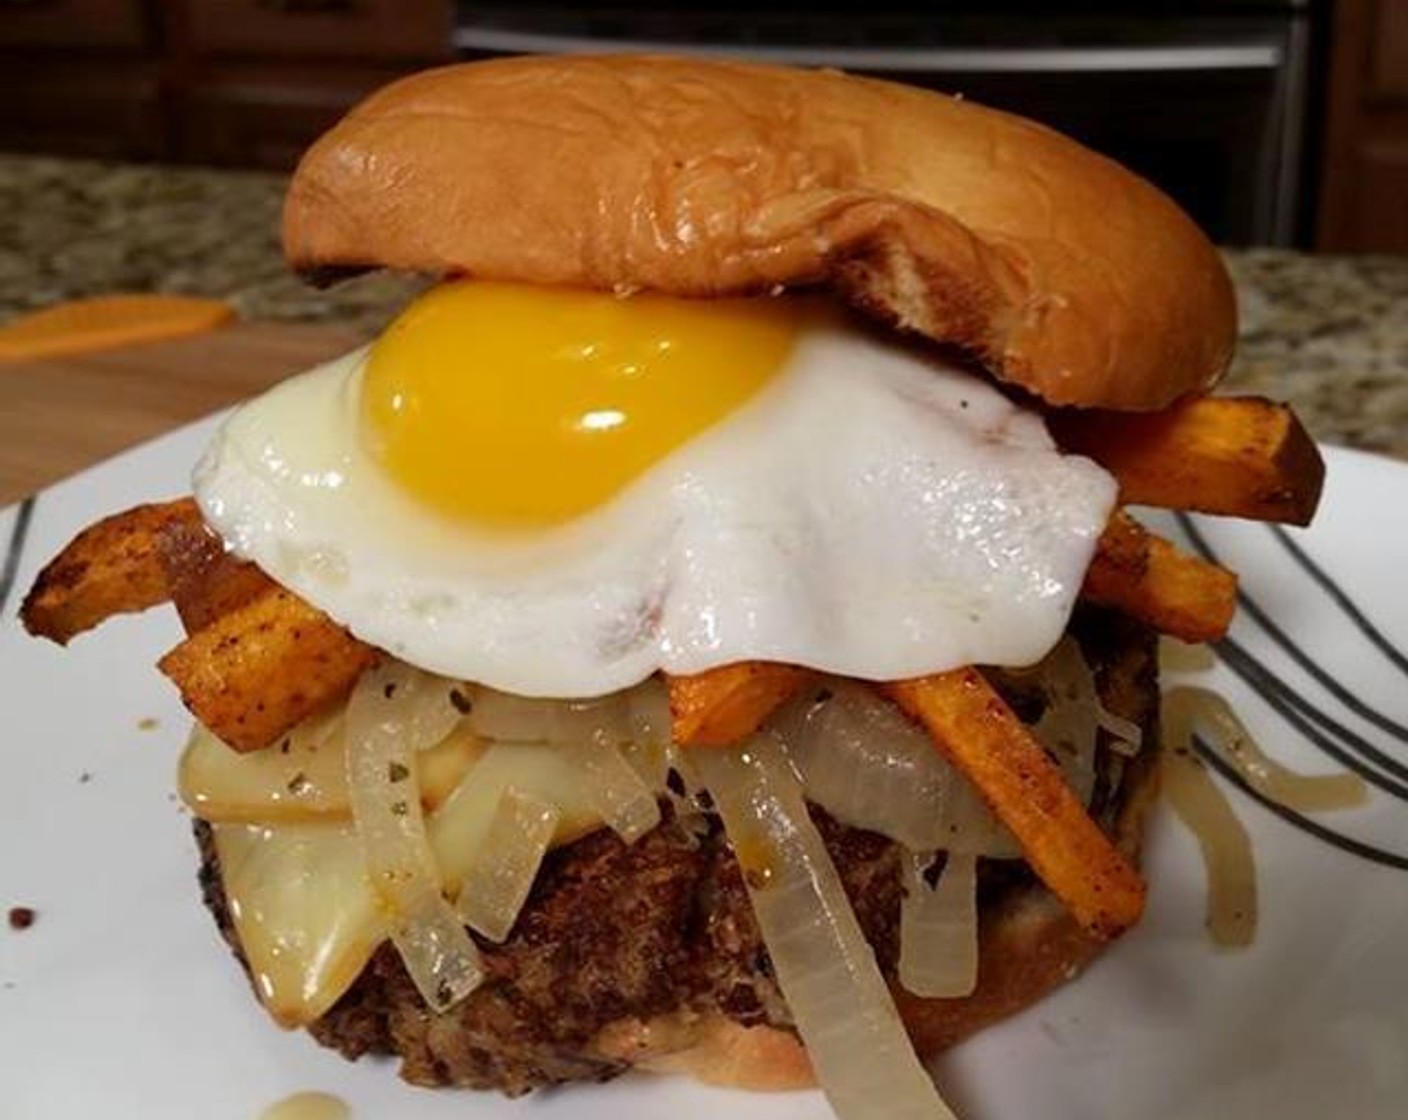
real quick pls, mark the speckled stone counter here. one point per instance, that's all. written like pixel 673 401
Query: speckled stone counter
pixel 1327 333
pixel 75 228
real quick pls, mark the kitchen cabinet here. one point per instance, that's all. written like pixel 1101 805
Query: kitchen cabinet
pixel 79 79
pixel 110 111
pixel 264 115
pixel 1364 189
pixel 240 83
pixel 73 23
pixel 357 30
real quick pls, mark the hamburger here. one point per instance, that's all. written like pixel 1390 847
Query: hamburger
pixel 703 632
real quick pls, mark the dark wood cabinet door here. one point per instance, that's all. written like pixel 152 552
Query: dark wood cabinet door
pixel 73 23
pixel 1364 187
pixel 368 30
pixel 264 115
pixel 75 108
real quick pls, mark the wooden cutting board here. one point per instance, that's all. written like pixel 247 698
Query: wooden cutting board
pixel 61 415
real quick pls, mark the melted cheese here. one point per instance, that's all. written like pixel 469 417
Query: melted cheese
pixel 305 912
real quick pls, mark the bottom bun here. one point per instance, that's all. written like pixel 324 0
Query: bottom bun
pixel 648 956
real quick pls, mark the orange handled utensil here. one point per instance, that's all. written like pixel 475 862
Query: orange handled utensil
pixel 102 322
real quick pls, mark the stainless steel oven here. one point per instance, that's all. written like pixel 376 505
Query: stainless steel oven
pixel 1209 100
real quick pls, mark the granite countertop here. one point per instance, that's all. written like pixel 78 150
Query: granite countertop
pixel 1328 333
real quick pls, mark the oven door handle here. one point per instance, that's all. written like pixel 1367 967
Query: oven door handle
pixel 1248 55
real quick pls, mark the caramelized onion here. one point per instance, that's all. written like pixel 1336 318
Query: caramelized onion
pixel 1188 710
pixel 1074 716
pixel 505 718
pixel 1227 848
pixel 394 712
pixel 648 708
pixel 1126 736
pixel 653 754
pixel 1201 804
pixel 870 767
pixel 863 1058
pixel 594 730
pixel 939 927
pixel 459 827
pixel 617 793
pixel 503 868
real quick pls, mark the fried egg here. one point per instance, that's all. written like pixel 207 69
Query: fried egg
pixel 558 493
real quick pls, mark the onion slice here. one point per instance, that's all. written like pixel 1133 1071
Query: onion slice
pixel 863 1058
pixel 648 709
pixel 503 867
pixel 506 718
pixel 616 791
pixel 870 766
pixel 394 711
pixel 1075 715
pixel 939 927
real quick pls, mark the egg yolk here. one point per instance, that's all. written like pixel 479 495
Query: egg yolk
pixel 512 405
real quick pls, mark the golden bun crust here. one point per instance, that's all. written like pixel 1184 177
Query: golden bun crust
pixel 1061 271
pixel 1028 947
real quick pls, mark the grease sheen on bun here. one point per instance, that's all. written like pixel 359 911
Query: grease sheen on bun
pixel 1061 271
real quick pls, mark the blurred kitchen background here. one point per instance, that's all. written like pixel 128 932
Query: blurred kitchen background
pixel 1275 122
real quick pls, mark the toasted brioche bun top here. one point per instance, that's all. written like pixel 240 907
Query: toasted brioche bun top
pixel 1061 271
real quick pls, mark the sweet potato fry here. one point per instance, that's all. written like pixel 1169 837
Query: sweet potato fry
pixel 727 704
pixel 976 731
pixel 204 579
pixel 1145 576
pixel 1242 456
pixel 255 672
pixel 112 567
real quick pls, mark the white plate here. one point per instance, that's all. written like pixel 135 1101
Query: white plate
pixel 120 1001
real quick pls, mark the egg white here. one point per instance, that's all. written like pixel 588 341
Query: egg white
pixel 871 513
